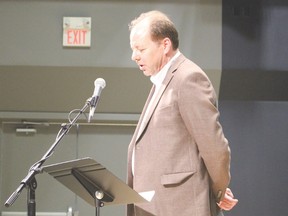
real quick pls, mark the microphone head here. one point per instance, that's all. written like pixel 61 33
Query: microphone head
pixel 101 82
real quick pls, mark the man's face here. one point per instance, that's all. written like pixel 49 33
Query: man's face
pixel 149 55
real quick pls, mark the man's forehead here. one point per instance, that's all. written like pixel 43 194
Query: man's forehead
pixel 139 33
pixel 142 26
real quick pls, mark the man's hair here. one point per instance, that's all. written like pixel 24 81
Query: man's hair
pixel 160 27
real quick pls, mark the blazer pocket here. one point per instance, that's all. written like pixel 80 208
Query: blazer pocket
pixel 175 178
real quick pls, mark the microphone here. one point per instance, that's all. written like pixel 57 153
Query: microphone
pixel 99 85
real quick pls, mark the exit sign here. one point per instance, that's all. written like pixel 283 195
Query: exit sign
pixel 77 31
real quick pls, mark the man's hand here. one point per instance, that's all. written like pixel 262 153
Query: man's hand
pixel 228 202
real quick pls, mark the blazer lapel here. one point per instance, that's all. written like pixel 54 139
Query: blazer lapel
pixel 143 122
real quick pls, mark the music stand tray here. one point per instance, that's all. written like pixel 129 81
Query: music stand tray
pixel 86 177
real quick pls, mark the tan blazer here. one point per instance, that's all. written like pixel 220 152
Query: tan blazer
pixel 181 153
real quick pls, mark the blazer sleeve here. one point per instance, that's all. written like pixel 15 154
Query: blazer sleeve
pixel 198 108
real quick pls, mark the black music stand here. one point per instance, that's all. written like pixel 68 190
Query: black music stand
pixel 94 183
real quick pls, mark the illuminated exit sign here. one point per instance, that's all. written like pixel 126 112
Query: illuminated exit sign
pixel 77 31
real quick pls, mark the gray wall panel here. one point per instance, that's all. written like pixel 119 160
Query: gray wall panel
pixel 258 137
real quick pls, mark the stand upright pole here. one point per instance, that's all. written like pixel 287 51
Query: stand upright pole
pixel 31 198
pixel 98 203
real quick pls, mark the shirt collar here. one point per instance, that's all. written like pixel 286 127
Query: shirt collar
pixel 158 78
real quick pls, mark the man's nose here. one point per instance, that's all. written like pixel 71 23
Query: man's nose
pixel 135 56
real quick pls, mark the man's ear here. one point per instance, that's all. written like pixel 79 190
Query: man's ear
pixel 167 45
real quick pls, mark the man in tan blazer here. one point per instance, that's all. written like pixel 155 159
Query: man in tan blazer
pixel 178 158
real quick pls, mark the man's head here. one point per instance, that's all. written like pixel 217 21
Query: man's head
pixel 153 40
pixel 160 27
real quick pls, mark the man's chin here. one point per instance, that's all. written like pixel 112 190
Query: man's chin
pixel 145 73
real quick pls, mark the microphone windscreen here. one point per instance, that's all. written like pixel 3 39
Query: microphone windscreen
pixel 101 82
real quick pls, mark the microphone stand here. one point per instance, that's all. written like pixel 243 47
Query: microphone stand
pixel 30 181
